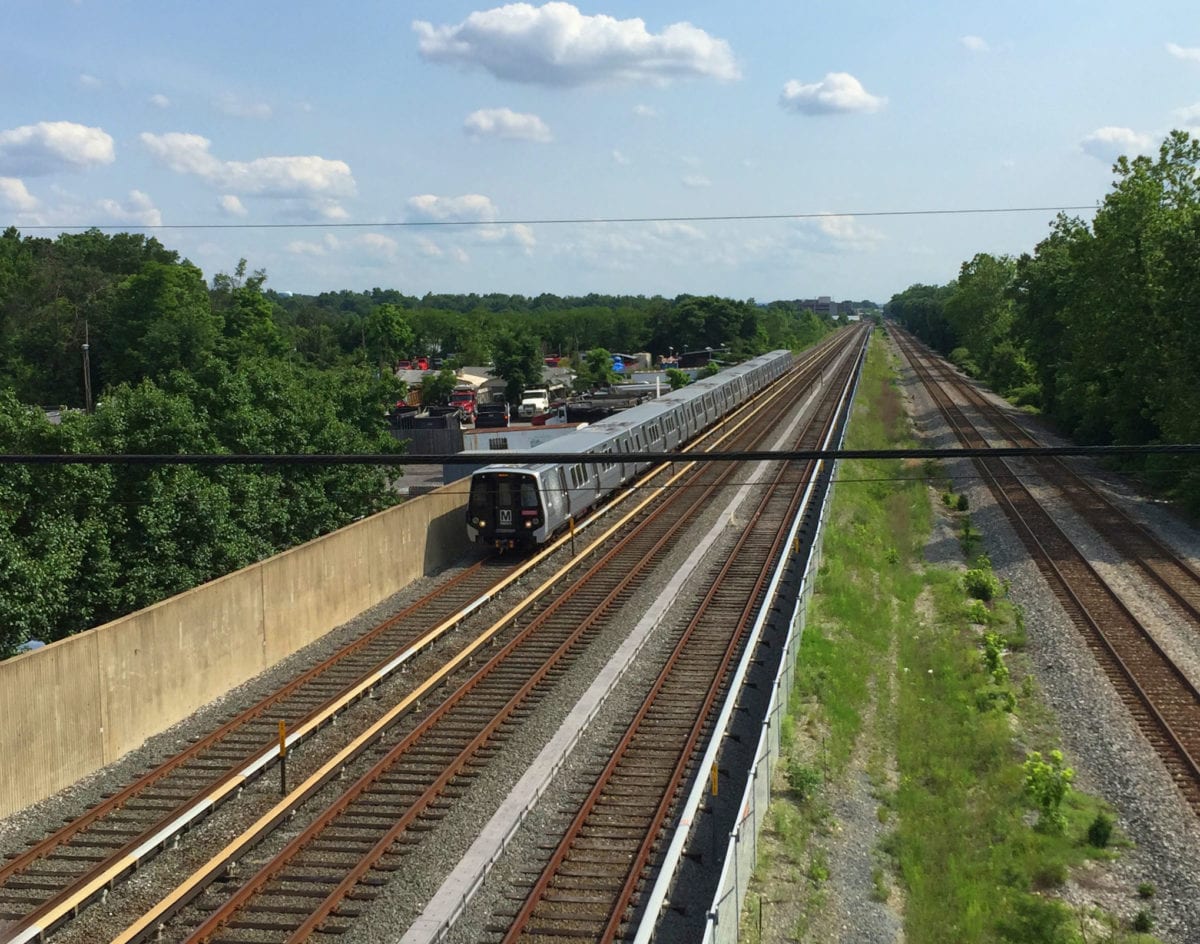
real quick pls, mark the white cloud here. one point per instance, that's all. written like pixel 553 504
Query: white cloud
pixel 506 123
pixel 138 209
pixel 429 247
pixel 975 43
pixel 1189 115
pixel 523 236
pixel 1109 143
pixel 89 81
pixel 645 111
pixel 696 181
pixel 845 232
pixel 233 106
pixel 620 158
pixel 158 100
pixel 376 244
pixel 316 180
pixel 468 207
pixel 15 196
pixel 231 205
pixel 838 92
pixel 51 146
pixel 557 45
pixel 301 247
pixel 1187 53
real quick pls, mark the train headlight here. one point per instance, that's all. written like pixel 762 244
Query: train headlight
pixel 528 525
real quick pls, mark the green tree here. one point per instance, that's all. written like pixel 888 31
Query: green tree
pixel 248 316
pixel 387 336
pixel 436 388
pixel 677 378
pixel 518 359
pixel 160 320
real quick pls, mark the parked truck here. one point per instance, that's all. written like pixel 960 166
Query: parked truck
pixel 536 400
pixel 466 400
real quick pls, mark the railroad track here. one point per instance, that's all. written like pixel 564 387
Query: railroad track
pixel 1161 699
pixel 342 856
pixel 1175 577
pixel 55 877
pixel 589 888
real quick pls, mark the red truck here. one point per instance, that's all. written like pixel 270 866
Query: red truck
pixel 468 404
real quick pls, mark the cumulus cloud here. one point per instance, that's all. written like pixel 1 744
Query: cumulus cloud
pixel 1187 53
pixel 696 181
pixel 645 111
pixel 52 146
pixel 1109 143
pixel 158 100
pixel 1189 115
pixel 470 207
pixel 846 233
pixel 15 196
pixel 316 183
pixel 139 209
pixel 378 245
pixel 302 247
pixel 975 43
pixel 838 92
pixel 506 123
pixel 557 45
pixel 231 205
pixel 233 106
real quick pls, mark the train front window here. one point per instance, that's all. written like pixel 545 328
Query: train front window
pixel 529 495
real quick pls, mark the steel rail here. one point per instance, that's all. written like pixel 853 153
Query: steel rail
pixel 1162 700
pixel 686 653
pixel 248 762
pixel 1178 579
pixel 259 883
pixel 191 888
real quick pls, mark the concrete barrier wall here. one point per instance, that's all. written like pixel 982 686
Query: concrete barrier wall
pixel 82 702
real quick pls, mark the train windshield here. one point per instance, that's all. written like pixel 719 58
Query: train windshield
pixel 503 499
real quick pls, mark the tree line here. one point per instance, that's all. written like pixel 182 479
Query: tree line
pixel 1097 326
pixel 177 365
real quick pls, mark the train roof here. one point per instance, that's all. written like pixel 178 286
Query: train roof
pixel 597 434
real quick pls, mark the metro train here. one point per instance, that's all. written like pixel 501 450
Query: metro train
pixel 524 506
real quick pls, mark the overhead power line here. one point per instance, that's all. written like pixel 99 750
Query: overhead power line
pixel 504 457
pixel 562 221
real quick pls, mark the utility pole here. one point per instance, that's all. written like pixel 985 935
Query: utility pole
pixel 87 371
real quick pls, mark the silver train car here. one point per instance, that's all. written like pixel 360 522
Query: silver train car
pixel 524 506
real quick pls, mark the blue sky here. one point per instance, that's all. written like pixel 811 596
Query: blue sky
pixel 375 113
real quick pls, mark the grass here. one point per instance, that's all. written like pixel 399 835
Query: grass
pixel 898 665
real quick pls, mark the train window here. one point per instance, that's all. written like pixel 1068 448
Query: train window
pixel 529 495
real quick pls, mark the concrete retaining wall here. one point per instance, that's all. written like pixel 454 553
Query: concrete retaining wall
pixel 82 702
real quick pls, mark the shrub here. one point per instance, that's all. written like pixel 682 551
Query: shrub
pixel 1047 783
pixel 1050 875
pixel 803 779
pixel 962 504
pixel 1143 921
pixel 970 538
pixel 1100 832
pixel 977 612
pixel 993 654
pixel 981 584
pixel 948 499
pixel 1146 890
